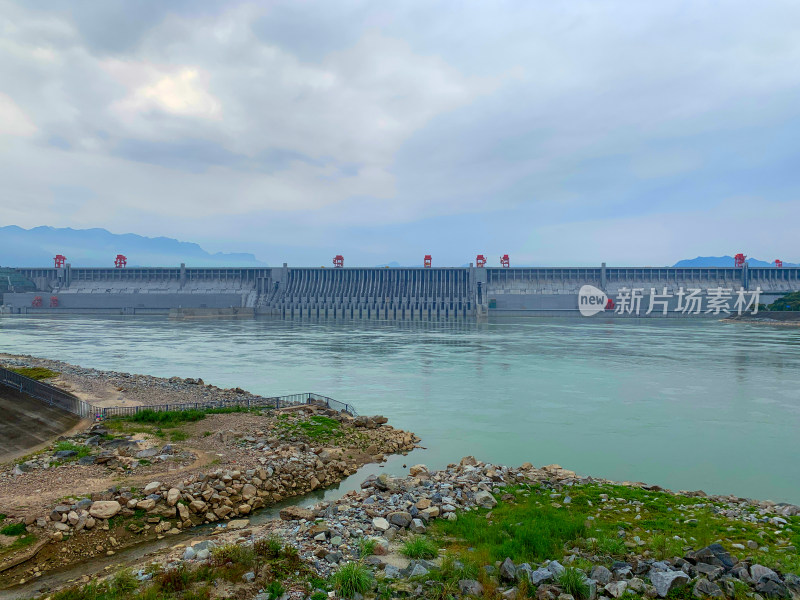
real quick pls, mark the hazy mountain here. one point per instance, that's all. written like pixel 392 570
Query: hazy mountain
pixel 97 248
pixel 725 261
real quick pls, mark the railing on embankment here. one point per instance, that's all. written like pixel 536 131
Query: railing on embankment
pixel 46 393
pixel 66 401
pixel 274 402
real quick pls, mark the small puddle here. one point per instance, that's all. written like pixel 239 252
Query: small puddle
pixel 133 554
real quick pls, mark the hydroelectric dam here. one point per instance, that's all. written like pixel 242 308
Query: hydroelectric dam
pixel 400 293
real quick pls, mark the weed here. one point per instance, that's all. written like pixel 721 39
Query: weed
pixel 79 449
pixel 419 547
pixel 269 547
pixel 206 433
pixel 318 595
pixel 572 581
pixel 37 373
pixel 366 547
pixel 351 578
pixel 124 582
pixel 14 529
pixel 291 555
pixel 234 554
pixel 173 580
pixel 178 436
pixel 275 590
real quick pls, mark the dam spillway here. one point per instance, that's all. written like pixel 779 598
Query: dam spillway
pixel 402 293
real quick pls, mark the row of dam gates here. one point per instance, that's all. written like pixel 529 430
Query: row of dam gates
pixel 400 293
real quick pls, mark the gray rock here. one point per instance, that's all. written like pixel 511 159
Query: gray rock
pixel 417 570
pixel 417 526
pixel 706 589
pixel 203 554
pixel 147 453
pixel 86 460
pixel 555 567
pixel 470 587
pixel 711 571
pixel 759 571
pixel 541 575
pixel 716 555
pixel 400 518
pixel 616 588
pixel 65 454
pixel 380 524
pixel 189 553
pixel 249 577
pixel 485 499
pixel 524 571
pixel 600 574
pixel 508 571
pixel 391 572
pixel 665 581
pixel 771 588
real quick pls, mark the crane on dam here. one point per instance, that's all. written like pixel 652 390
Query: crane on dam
pixel 59 260
pixel 739 260
pixel 504 261
pixel 778 263
pixel 338 261
pixel 480 260
pixel 121 261
pixel 428 261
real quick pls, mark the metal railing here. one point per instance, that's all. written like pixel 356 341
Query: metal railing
pixel 66 401
pixel 47 393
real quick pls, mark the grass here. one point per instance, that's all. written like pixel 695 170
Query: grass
pixel 537 525
pixel 178 436
pixel 572 582
pixel 419 547
pixel 79 448
pixel 37 373
pixel 275 590
pixel 13 529
pixel 351 578
pixel 269 547
pixel 317 428
pixel 366 547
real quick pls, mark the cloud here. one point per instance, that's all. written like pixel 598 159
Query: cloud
pixel 13 120
pixel 434 127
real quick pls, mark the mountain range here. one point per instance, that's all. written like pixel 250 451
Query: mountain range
pixel 36 247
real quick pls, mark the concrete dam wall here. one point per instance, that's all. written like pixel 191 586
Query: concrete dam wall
pixel 399 293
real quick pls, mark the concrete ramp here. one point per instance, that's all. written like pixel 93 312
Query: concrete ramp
pixel 28 423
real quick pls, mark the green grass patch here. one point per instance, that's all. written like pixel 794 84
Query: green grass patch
pixel 317 428
pixel 572 582
pixel 13 529
pixel 67 446
pixel 351 578
pixel 419 547
pixel 178 436
pixel 37 373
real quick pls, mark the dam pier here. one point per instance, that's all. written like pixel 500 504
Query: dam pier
pixel 402 293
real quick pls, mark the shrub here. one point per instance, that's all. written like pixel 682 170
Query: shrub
pixel 275 590
pixel 232 553
pixel 291 554
pixel 351 578
pixel 124 582
pixel 573 581
pixel 419 547
pixel 269 547
pixel 173 580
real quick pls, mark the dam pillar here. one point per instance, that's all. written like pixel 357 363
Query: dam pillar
pixel 183 275
pixel 603 276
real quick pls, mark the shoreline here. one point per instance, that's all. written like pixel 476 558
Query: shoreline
pixel 229 493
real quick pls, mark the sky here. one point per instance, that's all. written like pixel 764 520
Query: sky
pixel 561 133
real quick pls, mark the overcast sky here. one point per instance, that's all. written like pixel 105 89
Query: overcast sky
pixel 561 133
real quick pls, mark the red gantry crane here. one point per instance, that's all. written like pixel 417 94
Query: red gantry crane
pixel 428 261
pixel 480 260
pixel 504 261
pixel 121 261
pixel 338 261
pixel 59 260
pixel 778 263
pixel 739 260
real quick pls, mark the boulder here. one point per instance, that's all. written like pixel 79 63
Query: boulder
pixel 173 495
pixel 418 471
pixel 380 524
pixel 470 587
pixel 295 513
pixel 485 499
pixel 104 509
pixel 706 589
pixel 508 570
pixel 666 581
pixel 399 518
pixel 152 488
pixel 616 588
pixel 249 492
pixel 601 575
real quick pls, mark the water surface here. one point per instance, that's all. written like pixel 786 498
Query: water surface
pixel 683 404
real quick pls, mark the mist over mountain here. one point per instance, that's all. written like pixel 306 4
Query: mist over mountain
pixel 36 247
pixel 725 261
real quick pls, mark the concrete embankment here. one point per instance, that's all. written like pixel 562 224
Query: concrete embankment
pixel 28 423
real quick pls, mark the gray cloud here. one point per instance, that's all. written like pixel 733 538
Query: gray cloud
pixel 347 118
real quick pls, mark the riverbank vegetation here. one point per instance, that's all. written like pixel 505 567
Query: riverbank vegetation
pixel 37 373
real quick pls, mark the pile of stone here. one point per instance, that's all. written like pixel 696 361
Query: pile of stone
pixel 222 495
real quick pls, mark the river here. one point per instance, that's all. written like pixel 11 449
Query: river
pixel 686 404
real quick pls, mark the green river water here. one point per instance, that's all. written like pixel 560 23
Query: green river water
pixel 686 404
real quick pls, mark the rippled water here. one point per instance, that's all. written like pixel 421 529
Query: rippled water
pixel 684 404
